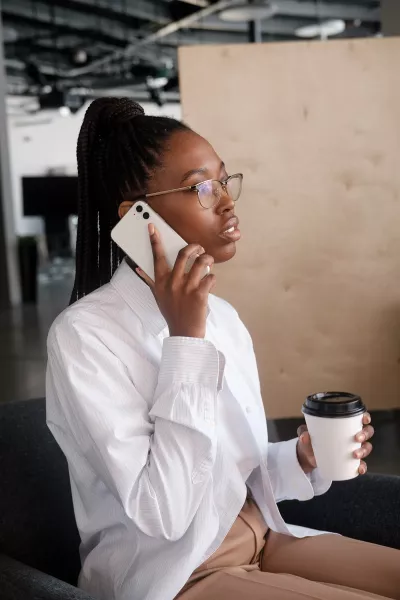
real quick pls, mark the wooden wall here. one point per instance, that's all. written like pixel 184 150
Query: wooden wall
pixel 315 128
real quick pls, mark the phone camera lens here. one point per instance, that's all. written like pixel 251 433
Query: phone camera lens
pixel 146 215
pixel 139 209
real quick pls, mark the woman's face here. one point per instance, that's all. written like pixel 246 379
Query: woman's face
pixel 190 159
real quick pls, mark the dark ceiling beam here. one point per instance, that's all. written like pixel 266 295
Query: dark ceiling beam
pixel 44 15
pixel 138 10
pixel 44 24
pixel 45 27
pixel 46 42
pixel 58 29
pixel 143 10
pixel 152 38
pixel 277 26
pixel 34 49
pixel 347 10
pixel 190 38
pixel 307 9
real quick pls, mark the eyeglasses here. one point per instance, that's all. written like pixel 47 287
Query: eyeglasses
pixel 209 192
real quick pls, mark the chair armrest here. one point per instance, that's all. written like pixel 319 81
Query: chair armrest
pixel 365 508
pixel 20 582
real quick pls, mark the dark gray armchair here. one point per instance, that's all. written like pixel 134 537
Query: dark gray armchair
pixel 39 542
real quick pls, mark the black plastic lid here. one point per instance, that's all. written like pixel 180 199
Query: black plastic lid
pixel 333 405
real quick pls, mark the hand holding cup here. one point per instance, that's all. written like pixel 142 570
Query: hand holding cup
pixel 336 436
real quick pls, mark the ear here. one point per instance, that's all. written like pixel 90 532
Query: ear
pixel 124 207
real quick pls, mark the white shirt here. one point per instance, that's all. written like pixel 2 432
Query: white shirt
pixel 162 435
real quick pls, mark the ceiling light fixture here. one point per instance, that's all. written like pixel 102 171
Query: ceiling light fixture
pixel 323 30
pixel 64 111
pixel 256 11
pixel 156 83
pixel 79 56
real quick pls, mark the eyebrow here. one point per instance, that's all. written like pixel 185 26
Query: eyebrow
pixel 200 171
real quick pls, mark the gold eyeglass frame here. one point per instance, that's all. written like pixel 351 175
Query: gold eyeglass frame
pixel 194 187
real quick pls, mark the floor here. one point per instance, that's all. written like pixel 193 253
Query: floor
pixel 23 333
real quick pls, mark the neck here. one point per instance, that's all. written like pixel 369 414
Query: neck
pixel 134 266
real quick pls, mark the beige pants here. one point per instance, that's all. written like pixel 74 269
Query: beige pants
pixel 256 564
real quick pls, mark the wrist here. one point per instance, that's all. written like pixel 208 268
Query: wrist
pixel 187 333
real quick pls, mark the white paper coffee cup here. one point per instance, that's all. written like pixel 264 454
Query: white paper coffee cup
pixel 333 420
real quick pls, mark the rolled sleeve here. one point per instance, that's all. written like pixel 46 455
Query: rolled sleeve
pixel 191 360
pixel 288 479
pixel 193 370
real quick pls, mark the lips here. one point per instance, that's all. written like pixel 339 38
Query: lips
pixel 231 230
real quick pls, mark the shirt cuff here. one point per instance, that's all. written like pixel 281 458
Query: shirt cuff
pixel 319 483
pixel 191 360
pixel 189 381
pixel 288 479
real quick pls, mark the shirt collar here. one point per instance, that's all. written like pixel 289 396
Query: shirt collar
pixel 139 297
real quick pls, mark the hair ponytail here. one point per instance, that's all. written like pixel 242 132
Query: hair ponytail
pixel 118 148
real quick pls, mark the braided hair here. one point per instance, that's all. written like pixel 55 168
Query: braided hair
pixel 118 149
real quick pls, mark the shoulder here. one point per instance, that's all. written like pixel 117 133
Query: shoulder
pixel 93 312
pixel 220 305
pixel 226 316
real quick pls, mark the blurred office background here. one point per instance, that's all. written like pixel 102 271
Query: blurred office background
pixel 57 55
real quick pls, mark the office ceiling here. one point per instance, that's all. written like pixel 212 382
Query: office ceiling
pixel 104 44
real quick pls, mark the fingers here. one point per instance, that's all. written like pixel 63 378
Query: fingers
pixel 305 439
pixel 145 277
pixel 198 270
pixel 366 419
pixel 207 284
pixel 160 261
pixel 366 434
pixel 184 255
pixel 364 451
pixel 362 468
pixel 301 429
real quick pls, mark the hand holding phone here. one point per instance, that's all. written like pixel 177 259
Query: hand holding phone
pixel 181 295
pixel 178 276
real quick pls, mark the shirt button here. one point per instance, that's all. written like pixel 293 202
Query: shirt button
pixel 197 477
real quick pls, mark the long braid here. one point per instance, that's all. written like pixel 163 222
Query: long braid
pixel 118 148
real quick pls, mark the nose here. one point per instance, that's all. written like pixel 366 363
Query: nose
pixel 226 204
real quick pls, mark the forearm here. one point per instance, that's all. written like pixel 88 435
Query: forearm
pixel 183 446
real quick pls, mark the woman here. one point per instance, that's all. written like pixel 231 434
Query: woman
pixel 153 396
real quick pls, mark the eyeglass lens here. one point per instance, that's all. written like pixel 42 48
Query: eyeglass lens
pixel 210 192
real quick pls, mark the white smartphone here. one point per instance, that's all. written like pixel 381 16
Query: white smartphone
pixel 131 234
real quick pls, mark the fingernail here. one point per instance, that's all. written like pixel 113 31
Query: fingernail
pixel 359 453
pixel 362 470
pixel 367 419
pixel 302 438
pixel 151 229
pixel 361 437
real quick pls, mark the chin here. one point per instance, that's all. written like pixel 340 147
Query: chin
pixel 224 254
